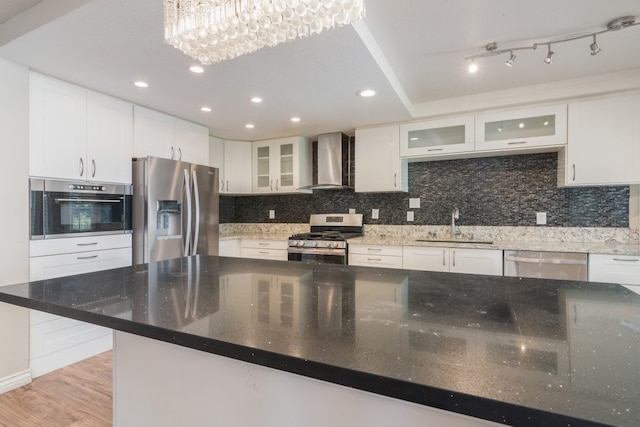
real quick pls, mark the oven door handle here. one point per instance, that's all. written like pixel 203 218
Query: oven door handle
pixel 317 251
pixel 60 199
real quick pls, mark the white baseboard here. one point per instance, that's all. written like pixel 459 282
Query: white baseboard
pixel 14 381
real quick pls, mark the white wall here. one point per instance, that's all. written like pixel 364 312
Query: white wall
pixel 14 227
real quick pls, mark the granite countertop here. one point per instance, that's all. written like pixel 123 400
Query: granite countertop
pixel 512 350
pixel 255 236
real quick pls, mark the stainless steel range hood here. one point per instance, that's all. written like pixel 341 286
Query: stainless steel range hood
pixel 332 154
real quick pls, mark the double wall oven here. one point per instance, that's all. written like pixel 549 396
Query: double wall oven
pixel 74 209
pixel 327 241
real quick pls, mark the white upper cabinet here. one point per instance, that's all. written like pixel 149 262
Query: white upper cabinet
pixel 161 135
pixel 436 137
pixel 378 163
pixel 281 165
pixel 109 138
pixel 78 134
pixel 603 142
pixel 237 167
pixel 517 130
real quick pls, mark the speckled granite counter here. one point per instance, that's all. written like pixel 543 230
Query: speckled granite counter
pixel 516 351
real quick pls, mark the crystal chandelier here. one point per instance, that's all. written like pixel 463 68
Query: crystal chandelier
pixel 214 30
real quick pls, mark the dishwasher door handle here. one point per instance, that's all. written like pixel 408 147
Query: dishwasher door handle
pixel 558 261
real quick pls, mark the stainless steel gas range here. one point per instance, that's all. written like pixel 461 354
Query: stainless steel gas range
pixel 327 241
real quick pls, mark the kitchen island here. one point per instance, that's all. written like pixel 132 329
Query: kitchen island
pixel 204 340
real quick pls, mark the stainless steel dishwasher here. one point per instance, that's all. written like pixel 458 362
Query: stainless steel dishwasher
pixel 546 265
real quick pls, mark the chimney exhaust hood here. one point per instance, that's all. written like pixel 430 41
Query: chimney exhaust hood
pixel 332 156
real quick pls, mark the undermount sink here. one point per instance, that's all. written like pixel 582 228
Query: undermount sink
pixel 486 242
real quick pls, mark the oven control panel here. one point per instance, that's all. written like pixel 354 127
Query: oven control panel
pixel 320 244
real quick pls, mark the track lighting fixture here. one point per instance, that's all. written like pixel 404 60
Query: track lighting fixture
pixel 595 49
pixel 491 49
pixel 549 58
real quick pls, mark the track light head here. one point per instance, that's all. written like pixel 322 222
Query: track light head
pixel 549 58
pixel 509 62
pixel 595 49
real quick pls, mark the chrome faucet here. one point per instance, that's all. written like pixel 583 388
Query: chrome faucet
pixel 455 214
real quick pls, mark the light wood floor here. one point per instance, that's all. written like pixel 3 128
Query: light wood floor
pixel 79 395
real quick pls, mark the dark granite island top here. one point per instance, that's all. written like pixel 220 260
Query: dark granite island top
pixel 510 350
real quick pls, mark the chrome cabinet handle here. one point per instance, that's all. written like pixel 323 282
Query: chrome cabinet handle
pixel 88 257
pixel 263 244
pixel 516 142
pixel 374 249
pixel 179 153
pixel 81 166
pixel 434 149
pixel 574 172
pixel 93 165
pixel 172 153
pixel 444 252
pixel 454 258
pixel 271 185
pixel 627 260
pixel 277 182
pixel 395 180
pixel 374 259
pixel 263 252
pixel 87 244
pixel 227 185
pixel 222 185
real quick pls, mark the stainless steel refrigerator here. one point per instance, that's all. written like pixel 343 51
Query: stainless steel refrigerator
pixel 175 209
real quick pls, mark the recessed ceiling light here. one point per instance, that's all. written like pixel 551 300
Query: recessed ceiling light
pixel 295 119
pixel 521 125
pixel 256 100
pixel 249 126
pixel 473 67
pixel 205 109
pixel 140 83
pixel 196 69
pixel 366 93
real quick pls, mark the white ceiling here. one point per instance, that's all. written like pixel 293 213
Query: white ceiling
pixel 411 51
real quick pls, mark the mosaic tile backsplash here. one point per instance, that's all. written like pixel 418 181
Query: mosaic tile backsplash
pixel 492 191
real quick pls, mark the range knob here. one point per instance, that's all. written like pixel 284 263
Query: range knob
pixel 333 244
pixel 314 244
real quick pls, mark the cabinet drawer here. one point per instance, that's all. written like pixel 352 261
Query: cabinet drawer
pixel 78 244
pixel 49 267
pixel 230 248
pixel 623 269
pixel 374 260
pixel 425 258
pixel 272 254
pixel 382 250
pixel 59 333
pixel 265 244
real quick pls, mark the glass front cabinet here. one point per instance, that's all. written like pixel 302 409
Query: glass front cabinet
pixel 281 165
pixel 536 127
pixel 436 137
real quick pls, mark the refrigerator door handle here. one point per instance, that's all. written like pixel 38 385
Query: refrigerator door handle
pixel 187 232
pixel 196 198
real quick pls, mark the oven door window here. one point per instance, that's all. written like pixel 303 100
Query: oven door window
pixel 318 258
pixel 70 213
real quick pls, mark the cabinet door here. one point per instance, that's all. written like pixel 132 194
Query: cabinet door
pixel 516 130
pixel 58 129
pixel 191 142
pixel 476 261
pixel 153 134
pixel 624 269
pixel 378 163
pixel 425 258
pixel 216 157
pixel 436 137
pixel 263 163
pixel 603 145
pixel 109 138
pixel 237 167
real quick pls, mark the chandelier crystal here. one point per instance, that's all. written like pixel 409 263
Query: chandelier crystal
pixel 214 30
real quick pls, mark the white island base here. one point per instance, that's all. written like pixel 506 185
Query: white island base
pixel 161 384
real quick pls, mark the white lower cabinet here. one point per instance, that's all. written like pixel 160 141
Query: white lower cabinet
pixel 623 269
pixel 55 341
pixel 230 248
pixel 387 256
pixel 454 260
pixel 264 249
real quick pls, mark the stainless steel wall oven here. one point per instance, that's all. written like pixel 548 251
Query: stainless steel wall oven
pixel 74 209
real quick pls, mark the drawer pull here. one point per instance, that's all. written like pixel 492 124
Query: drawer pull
pixel 374 249
pixel 434 149
pixel 88 257
pixel 516 142
pixel 263 244
pixel 263 252
pixel 627 259
pixel 87 244
pixel 374 259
